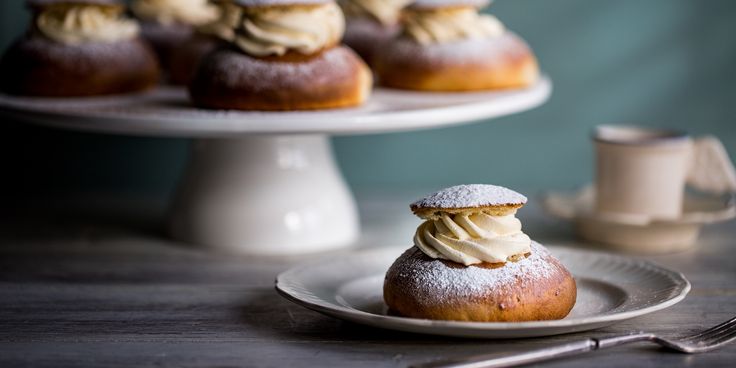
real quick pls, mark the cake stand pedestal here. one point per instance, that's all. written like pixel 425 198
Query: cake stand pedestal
pixel 266 183
pixel 282 194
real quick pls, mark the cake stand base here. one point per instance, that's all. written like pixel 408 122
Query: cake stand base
pixel 264 195
pixel 253 185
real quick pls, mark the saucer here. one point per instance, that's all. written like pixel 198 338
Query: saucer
pixel 611 288
pixel 635 232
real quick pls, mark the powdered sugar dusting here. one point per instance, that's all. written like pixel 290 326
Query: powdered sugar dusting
pixel 474 51
pixel 434 282
pixel 236 69
pixel 472 195
pixel 85 56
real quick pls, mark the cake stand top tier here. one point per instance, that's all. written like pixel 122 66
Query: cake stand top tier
pixel 166 112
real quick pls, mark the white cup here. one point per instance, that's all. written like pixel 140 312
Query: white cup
pixel 645 171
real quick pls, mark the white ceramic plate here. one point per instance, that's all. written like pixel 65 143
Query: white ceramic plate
pixel 166 111
pixel 610 289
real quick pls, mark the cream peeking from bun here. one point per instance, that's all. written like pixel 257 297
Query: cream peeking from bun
pixel 447 45
pixel 91 21
pixel 78 48
pixel 303 28
pixel 169 24
pixel 185 59
pixel 190 12
pixel 472 262
pixel 283 55
pixel 471 224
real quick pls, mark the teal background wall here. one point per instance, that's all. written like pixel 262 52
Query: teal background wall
pixel 668 63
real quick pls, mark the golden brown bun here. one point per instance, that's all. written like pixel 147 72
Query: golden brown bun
pixel 537 287
pixel 36 66
pixel 230 79
pixel 473 65
pixel 185 60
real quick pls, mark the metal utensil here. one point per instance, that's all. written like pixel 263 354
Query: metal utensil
pixel 700 342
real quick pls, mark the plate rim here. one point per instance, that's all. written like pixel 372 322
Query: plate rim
pixel 331 309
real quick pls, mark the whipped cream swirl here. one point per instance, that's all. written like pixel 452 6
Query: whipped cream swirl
pixel 76 24
pixel 442 25
pixel 471 238
pixel 224 26
pixel 193 12
pixel 385 12
pixel 278 29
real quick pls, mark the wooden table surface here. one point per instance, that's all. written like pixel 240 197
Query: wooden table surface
pixel 96 285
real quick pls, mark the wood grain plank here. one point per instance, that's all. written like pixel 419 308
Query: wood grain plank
pixel 114 293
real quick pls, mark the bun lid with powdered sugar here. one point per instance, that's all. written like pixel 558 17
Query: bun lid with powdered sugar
pixel 465 198
pixel 434 4
pixel 263 3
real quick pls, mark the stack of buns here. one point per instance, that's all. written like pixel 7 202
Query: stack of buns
pixel 268 55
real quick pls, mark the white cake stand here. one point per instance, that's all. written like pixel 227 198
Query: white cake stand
pixel 261 182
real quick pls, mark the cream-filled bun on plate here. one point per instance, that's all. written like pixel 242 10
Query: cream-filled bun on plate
pixel 285 55
pixel 370 23
pixel 184 60
pixel 447 45
pixel 471 261
pixel 168 24
pixel 78 48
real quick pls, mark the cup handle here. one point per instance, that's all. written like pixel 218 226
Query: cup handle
pixel 711 169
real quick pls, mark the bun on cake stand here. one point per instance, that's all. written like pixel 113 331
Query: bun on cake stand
pixel 450 46
pixel 77 48
pixel 285 55
pixel 266 182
